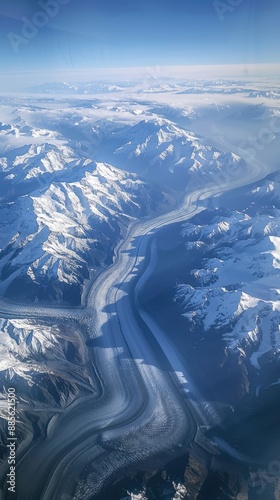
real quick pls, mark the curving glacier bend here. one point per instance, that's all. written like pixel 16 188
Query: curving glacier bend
pixel 138 415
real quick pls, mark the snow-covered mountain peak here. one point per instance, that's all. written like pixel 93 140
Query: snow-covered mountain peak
pixel 234 286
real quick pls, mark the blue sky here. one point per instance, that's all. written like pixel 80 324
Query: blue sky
pixel 124 33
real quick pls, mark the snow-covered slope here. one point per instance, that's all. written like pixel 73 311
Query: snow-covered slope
pixel 32 161
pixel 49 365
pixel 158 146
pixel 234 288
pixel 19 128
pixel 56 237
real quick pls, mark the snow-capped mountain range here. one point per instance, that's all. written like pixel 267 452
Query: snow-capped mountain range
pixel 75 171
pixel 154 82
pixel 233 289
pixel 160 144
pixel 62 212
pixel 60 233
